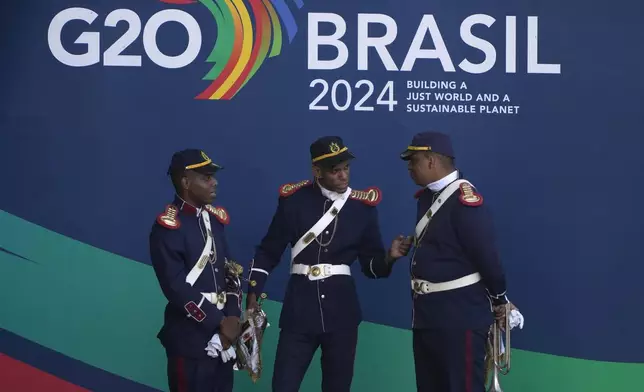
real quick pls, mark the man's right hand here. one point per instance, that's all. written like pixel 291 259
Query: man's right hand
pixel 229 328
pixel 400 247
pixel 225 343
pixel 251 301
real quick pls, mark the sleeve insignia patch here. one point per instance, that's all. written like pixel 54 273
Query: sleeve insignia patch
pixel 371 196
pixel 194 311
pixel 469 197
pixel 168 218
pixel 220 213
pixel 419 193
pixel 289 189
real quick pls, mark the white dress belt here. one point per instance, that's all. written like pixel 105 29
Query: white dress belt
pixel 320 271
pixel 420 286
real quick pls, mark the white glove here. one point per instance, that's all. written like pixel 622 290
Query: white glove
pixel 516 319
pixel 215 348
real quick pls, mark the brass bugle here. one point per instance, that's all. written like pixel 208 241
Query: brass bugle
pixel 501 361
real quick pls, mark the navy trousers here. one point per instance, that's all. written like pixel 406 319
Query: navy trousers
pixel 200 375
pixel 295 351
pixel 449 360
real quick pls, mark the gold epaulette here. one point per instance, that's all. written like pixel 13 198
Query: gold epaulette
pixel 220 213
pixel 169 218
pixel 287 190
pixel 469 196
pixel 370 196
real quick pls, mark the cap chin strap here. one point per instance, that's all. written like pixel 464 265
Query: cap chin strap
pixel 191 204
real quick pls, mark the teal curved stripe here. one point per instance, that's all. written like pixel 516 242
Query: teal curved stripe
pixel 105 310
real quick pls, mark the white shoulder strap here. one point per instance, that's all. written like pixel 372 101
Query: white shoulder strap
pixel 321 224
pixel 198 268
pixel 440 200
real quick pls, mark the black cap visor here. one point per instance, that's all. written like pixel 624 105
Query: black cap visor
pixel 411 150
pixel 405 155
pixel 210 168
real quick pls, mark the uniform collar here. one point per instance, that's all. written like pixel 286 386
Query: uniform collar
pixel 186 207
pixel 443 182
pixel 331 195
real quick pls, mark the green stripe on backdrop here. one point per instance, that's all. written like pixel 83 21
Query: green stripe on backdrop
pixel 105 310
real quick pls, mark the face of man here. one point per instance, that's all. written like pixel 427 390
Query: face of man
pixel 334 178
pixel 421 168
pixel 201 188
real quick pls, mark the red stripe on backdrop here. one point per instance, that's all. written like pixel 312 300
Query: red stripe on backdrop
pixel 16 376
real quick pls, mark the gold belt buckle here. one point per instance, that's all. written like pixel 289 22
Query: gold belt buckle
pixel 316 271
pixel 421 287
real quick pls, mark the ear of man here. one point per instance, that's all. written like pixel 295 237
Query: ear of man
pixel 317 171
pixel 445 162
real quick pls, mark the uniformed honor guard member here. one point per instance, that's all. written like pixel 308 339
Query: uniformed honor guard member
pixel 189 254
pixel 457 278
pixel 328 226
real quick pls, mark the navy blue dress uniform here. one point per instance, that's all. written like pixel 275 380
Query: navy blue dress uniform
pixel 320 307
pixel 192 262
pixel 456 278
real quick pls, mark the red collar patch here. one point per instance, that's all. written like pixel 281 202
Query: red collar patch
pixel 419 193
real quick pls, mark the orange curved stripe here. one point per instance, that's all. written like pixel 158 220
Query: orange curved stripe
pixel 246 44
pixel 258 9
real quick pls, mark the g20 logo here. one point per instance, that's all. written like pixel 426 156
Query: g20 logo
pixel 113 55
pixel 247 35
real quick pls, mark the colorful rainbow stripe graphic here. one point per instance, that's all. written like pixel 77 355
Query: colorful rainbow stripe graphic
pixel 246 36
